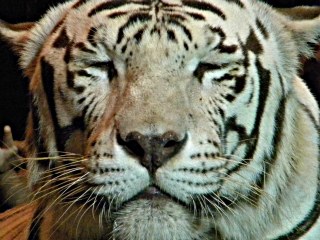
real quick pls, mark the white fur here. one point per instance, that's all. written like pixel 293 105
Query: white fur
pixel 156 92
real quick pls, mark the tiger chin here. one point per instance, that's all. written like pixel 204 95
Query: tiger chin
pixel 168 120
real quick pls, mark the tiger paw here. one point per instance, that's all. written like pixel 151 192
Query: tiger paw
pixel 13 173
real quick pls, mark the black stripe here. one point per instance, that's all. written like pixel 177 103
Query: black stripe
pixel 196 16
pixel 254 135
pixel 86 107
pixel 138 36
pixel 312 217
pixel 168 6
pixel 47 74
pixel 184 28
pixel 227 49
pixel 185 45
pixel 269 161
pixel 70 79
pixel 145 2
pixel 89 115
pixel 253 44
pixel 246 61
pixel 203 68
pixel 265 83
pixel 240 84
pixel 81 100
pixel 177 17
pixel 222 113
pixel 58 25
pixel 264 76
pixel 238 2
pixel 225 77
pixel 230 97
pixel 82 47
pixel 107 6
pixel 171 36
pixel 310 115
pixel 84 73
pixel 79 3
pixel 262 29
pixel 36 224
pixel 106 66
pixel 114 4
pixel 142 17
pixel 61 134
pixel 91 35
pixel 233 126
pixel 100 65
pixel 62 40
pixel 124 48
pixel 111 70
pixel 219 31
pixel 117 14
pixel 281 81
pixel 221 47
pixel 67 54
pixel 204 6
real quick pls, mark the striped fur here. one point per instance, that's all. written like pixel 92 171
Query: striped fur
pixel 180 119
pixel 16 223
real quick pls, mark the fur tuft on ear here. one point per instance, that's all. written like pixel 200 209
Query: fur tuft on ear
pixel 304 24
pixel 17 35
pixel 27 39
pixel 306 34
pixel 300 13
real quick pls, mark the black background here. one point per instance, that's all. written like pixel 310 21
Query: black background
pixel 13 88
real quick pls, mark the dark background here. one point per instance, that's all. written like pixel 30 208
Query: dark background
pixel 13 88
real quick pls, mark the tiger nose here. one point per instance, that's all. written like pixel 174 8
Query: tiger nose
pixel 152 151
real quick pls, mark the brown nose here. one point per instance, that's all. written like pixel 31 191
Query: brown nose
pixel 152 151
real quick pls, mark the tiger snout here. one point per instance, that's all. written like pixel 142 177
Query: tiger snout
pixel 152 151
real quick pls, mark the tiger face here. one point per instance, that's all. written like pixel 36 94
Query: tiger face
pixel 155 100
pixel 166 113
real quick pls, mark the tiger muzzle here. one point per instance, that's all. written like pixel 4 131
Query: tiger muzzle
pixel 152 151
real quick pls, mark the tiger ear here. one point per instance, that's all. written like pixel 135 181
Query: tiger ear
pixel 16 35
pixel 300 13
pixel 304 24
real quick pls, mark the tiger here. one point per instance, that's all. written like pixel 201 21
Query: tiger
pixel 168 120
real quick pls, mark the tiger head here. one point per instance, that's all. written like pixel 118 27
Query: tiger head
pixel 163 112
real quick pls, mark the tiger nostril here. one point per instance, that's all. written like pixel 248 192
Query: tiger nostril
pixel 170 144
pixel 131 145
pixel 135 148
pixel 170 141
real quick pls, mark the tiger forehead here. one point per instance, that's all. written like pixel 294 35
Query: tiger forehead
pixel 158 30
pixel 139 28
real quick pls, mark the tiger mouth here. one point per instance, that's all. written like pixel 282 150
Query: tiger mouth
pixel 155 196
pixel 151 193
pixel 158 199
